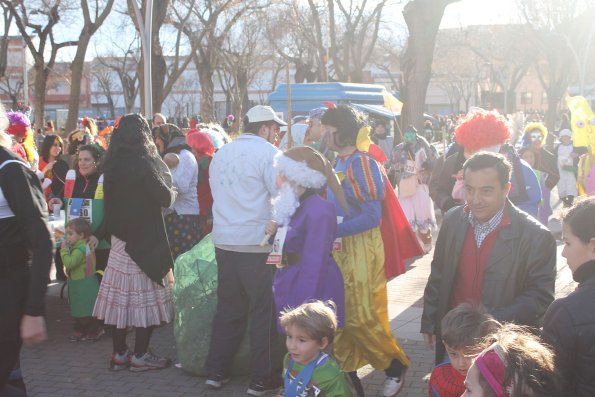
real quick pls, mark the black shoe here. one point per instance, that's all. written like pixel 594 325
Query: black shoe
pixel 260 388
pixel 216 381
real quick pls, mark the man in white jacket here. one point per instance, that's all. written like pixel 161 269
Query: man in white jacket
pixel 242 180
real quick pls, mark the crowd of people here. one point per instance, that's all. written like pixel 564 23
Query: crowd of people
pixel 343 208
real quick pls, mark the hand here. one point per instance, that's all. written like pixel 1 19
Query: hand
pixel 93 242
pixel 55 201
pixel 430 340
pixel 33 329
pixel 49 167
pixel 271 228
pixel 170 278
pixel 64 244
pixel 573 155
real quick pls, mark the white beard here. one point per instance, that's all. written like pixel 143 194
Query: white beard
pixel 285 203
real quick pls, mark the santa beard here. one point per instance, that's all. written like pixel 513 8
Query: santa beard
pixel 285 203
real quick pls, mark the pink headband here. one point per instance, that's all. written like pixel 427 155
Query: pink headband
pixel 492 366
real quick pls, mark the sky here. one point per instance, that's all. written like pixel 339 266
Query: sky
pixel 458 14
pixel 479 12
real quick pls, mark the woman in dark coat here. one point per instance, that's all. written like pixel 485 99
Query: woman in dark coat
pixel 134 291
pixel 569 324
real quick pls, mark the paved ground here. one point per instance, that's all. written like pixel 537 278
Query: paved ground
pixel 59 368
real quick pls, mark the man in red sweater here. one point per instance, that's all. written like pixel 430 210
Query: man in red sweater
pixel 489 253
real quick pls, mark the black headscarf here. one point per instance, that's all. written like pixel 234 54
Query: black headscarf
pixel 173 138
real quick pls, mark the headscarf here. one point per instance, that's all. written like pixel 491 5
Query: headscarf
pixel 173 138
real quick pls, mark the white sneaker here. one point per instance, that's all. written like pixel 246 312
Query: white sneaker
pixel 392 386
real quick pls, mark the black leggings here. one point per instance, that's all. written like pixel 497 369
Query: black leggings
pixel 141 340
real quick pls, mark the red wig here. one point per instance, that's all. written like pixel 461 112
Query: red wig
pixel 201 143
pixel 481 129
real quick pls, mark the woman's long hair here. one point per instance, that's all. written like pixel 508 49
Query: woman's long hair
pixel 130 139
pixel 47 144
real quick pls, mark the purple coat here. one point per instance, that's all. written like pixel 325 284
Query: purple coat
pixel 311 233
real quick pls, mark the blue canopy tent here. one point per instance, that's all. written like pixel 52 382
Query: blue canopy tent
pixel 308 96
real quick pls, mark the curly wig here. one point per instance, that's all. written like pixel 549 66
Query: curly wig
pixel 481 129
pixel 200 142
pixel 536 127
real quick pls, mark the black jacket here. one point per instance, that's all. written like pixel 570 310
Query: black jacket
pixel 519 276
pixel 569 326
pixel 135 190
pixel 25 235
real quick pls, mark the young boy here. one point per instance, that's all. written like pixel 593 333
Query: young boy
pixel 462 328
pixel 82 282
pixel 308 370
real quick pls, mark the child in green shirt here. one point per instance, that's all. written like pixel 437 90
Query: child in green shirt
pixel 308 370
pixel 83 285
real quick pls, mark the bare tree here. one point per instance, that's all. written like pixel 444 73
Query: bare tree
pixel 242 58
pixel 557 26
pixel 123 61
pixel 40 25
pixel 11 87
pixel 93 18
pixel 423 18
pixel 7 18
pixel 387 57
pixel 328 39
pixel 214 19
pixel 103 75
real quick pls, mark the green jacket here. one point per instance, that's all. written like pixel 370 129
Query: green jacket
pixel 75 260
pixel 327 381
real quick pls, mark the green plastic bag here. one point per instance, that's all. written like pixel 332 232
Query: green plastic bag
pixel 195 299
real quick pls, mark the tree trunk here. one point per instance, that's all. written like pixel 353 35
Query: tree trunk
pixel 159 69
pixel 423 18
pixel 207 93
pixel 76 68
pixel 40 83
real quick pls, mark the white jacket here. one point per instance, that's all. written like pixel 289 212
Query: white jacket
pixel 242 180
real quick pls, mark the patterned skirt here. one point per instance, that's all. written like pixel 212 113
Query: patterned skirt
pixel 183 232
pixel 128 297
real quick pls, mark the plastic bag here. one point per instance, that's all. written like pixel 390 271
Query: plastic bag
pixel 195 300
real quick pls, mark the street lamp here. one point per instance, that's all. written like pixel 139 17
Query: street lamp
pixel 145 26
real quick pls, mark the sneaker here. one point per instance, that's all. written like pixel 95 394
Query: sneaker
pixel 392 386
pixel 120 361
pixel 95 336
pixel 147 362
pixel 261 388
pixel 216 381
pixel 77 337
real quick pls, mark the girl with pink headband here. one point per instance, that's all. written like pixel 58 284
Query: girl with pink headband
pixel 515 364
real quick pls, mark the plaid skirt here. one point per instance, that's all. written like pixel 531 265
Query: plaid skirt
pixel 128 297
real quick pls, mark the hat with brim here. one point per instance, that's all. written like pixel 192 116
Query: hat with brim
pixel 261 113
pixel 308 168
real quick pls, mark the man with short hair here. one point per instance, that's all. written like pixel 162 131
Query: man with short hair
pixel 158 119
pixel 242 179
pixel 489 253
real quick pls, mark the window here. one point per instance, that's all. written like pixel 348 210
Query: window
pixel 526 98
pixel 544 97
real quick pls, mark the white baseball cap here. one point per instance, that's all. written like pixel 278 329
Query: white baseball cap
pixel 261 113
pixel 565 132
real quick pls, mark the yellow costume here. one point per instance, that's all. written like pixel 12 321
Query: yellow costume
pixel 366 337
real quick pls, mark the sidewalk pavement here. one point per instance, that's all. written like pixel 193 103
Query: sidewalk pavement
pixel 59 368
